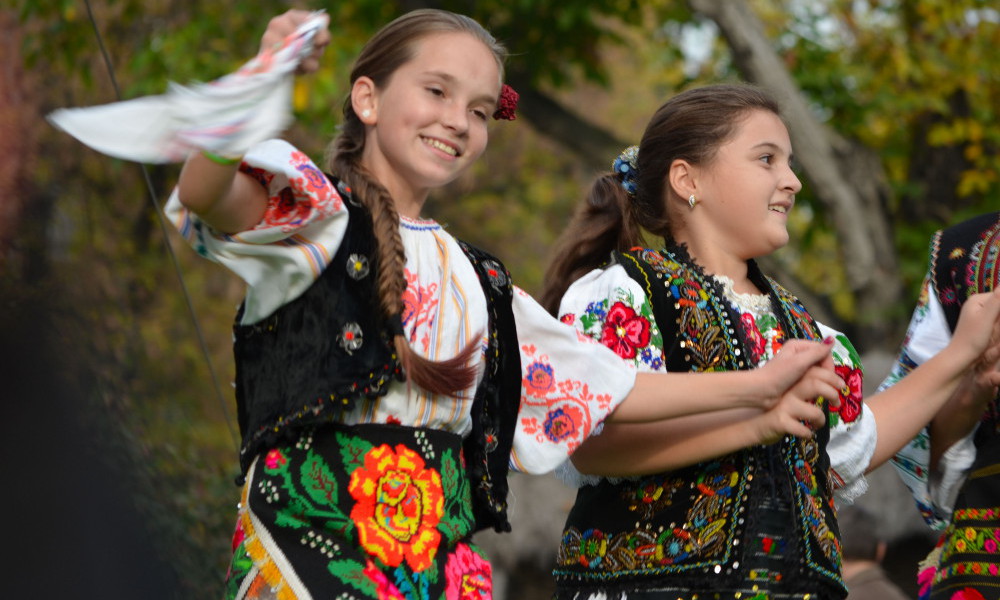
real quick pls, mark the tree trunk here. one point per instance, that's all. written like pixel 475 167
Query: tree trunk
pixel 848 179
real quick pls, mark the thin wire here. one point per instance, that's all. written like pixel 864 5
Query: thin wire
pixel 151 193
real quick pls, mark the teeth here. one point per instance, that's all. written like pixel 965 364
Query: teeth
pixel 441 146
pixel 780 209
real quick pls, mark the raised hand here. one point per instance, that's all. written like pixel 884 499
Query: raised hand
pixel 284 25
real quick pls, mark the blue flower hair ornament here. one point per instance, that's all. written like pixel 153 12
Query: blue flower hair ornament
pixel 624 167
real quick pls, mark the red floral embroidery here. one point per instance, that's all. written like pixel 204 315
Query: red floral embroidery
pixel 468 576
pixel 625 331
pixel 967 594
pixel 383 587
pixel 851 394
pixel 283 209
pixel 538 380
pixel 419 306
pixel 239 535
pixel 274 459
pixel 568 318
pixel 562 423
pixel 399 505
pixel 757 342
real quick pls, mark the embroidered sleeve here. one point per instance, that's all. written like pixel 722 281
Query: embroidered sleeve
pixel 852 427
pixel 927 334
pixel 300 231
pixel 569 386
pixel 610 307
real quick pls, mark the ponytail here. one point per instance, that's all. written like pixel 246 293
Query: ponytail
pixel 605 221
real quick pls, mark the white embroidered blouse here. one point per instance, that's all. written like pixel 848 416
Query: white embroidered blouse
pixel 569 384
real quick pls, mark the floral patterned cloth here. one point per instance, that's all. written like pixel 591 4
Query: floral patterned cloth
pixel 609 306
pixel 368 511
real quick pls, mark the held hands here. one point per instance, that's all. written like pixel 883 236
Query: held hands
pixel 801 373
pixel 284 25
pixel 981 382
pixel 978 335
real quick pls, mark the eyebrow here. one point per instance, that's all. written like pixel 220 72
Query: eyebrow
pixel 774 147
pixel 451 79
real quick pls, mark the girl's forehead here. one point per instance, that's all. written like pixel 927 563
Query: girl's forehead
pixel 458 54
pixel 761 127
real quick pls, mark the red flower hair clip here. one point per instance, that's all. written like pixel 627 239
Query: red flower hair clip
pixel 507 104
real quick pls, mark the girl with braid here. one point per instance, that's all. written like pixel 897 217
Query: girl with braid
pixel 753 517
pixel 387 374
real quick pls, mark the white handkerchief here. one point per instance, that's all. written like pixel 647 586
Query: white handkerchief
pixel 225 116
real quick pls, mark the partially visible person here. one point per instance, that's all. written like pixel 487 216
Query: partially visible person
pixel 863 550
pixel 752 516
pixel 953 466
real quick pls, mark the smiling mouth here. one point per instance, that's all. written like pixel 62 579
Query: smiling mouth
pixel 451 150
pixel 779 209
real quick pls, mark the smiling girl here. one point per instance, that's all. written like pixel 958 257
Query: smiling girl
pixel 705 506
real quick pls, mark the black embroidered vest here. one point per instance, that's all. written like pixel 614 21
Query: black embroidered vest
pixel 314 357
pixel 965 260
pixel 709 527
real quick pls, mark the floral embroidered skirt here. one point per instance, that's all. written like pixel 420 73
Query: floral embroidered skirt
pixel 360 512
pixel 966 564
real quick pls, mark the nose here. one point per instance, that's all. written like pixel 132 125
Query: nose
pixel 455 117
pixel 791 181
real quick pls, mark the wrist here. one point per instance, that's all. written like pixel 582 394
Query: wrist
pixel 225 160
pixel 763 392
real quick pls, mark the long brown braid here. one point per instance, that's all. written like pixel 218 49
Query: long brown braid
pixel 389 49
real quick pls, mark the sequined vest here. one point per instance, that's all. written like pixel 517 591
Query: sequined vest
pixel 707 527
pixel 316 356
pixel 965 260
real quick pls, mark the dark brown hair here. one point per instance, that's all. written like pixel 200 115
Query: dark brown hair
pixel 389 49
pixel 690 126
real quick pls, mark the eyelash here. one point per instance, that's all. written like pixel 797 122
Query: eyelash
pixel 440 93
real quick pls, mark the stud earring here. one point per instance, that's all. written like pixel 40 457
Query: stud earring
pixel 692 201
pixel 366 113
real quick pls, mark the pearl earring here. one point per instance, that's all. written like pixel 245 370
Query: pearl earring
pixel 366 113
pixel 692 201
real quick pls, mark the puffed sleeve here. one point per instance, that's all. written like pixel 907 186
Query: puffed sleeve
pixel 609 307
pixel 853 432
pixel 569 385
pixel 933 491
pixel 300 232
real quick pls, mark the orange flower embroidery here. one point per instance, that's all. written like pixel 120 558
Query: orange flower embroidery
pixel 399 505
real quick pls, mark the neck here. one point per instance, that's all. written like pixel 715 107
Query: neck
pixel 408 208
pixel 716 260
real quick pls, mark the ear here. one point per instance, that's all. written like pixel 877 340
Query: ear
pixel 683 178
pixel 364 97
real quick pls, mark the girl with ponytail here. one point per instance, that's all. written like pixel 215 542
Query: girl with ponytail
pixel 714 505
pixel 389 374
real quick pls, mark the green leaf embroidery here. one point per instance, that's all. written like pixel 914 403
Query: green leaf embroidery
pixel 352 572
